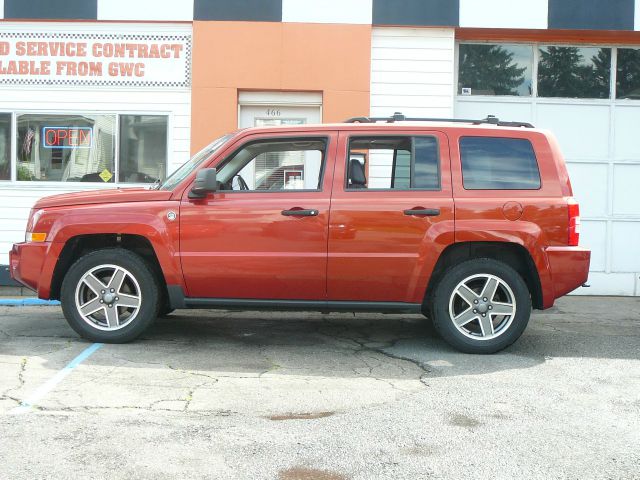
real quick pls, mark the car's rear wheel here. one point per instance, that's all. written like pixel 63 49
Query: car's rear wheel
pixel 481 306
pixel 110 296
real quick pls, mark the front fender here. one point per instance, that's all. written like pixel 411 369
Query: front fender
pixel 147 219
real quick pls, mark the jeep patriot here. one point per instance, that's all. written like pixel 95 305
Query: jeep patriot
pixel 469 222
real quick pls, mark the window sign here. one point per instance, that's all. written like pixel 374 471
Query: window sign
pixel 82 147
pixel 95 59
pixel 67 137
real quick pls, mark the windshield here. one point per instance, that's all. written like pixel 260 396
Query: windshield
pixel 183 172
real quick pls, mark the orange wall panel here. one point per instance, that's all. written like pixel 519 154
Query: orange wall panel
pixel 232 56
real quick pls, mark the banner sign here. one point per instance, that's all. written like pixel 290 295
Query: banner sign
pixel 67 137
pixel 95 59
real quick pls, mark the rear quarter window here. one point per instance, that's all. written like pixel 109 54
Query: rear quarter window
pixel 496 163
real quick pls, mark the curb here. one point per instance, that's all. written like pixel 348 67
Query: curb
pixel 27 302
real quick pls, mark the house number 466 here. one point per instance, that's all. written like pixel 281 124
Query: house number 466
pixel 273 112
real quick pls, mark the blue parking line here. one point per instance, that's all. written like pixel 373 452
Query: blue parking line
pixel 27 404
pixel 26 302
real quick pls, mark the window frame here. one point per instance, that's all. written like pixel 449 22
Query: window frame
pixel 612 98
pixel 323 167
pixel 535 156
pixel 411 164
pixel 59 185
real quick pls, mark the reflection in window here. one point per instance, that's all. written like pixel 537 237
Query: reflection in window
pixel 275 165
pixel 491 163
pixel 143 148
pixel 5 146
pixel 574 72
pixel 628 73
pixel 65 148
pixel 495 69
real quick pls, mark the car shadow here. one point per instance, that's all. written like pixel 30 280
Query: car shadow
pixel 340 345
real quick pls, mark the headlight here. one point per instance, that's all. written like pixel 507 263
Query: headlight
pixel 35 237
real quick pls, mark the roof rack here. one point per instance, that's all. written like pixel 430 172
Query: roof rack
pixel 399 117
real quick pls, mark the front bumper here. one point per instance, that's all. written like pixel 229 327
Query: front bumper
pixel 26 261
pixel 569 268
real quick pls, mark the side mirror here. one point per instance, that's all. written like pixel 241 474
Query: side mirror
pixel 206 182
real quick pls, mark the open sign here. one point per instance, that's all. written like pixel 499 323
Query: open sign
pixel 67 137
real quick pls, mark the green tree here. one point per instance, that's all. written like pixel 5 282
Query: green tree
pixel 601 78
pixel 628 74
pixel 563 72
pixel 489 69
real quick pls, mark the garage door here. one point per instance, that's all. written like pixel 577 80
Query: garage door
pixel 598 135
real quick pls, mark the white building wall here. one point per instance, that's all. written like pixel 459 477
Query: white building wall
pixel 16 198
pixel 412 71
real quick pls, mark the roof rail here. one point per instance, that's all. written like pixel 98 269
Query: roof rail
pixel 399 117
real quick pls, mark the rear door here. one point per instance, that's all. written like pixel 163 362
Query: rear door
pixel 391 215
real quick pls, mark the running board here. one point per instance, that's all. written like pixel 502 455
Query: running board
pixel 302 305
pixel 178 300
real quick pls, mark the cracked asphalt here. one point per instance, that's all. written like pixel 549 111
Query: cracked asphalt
pixel 288 396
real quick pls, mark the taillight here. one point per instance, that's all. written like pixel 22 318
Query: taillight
pixel 574 222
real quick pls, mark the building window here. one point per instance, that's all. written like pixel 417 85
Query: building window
pixel 490 163
pixel 628 73
pixel 397 163
pixel 5 146
pixel 82 148
pixel 143 148
pixel 486 69
pixel 65 148
pixel 574 72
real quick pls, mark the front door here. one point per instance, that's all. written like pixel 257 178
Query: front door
pixel 391 215
pixel 263 235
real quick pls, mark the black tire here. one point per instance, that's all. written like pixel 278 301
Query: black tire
pixel 468 338
pixel 139 282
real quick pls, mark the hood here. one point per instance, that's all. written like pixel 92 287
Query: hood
pixel 120 195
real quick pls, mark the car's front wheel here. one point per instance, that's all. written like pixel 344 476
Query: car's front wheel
pixel 110 296
pixel 481 306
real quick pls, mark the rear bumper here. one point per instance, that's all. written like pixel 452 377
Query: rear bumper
pixel 569 268
pixel 26 261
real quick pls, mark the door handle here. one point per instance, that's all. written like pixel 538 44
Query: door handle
pixel 427 212
pixel 300 213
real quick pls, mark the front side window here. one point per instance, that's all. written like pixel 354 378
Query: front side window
pixel 574 72
pixel 398 163
pixel 65 148
pixel 486 69
pixel 5 146
pixel 275 165
pixel 492 163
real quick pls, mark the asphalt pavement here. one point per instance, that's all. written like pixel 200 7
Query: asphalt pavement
pixel 289 396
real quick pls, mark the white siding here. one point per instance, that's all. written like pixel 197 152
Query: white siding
pixel 16 198
pixel 412 72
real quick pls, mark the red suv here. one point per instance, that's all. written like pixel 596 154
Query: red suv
pixel 470 222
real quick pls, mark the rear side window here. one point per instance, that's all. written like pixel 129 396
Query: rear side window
pixel 395 163
pixel 492 163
